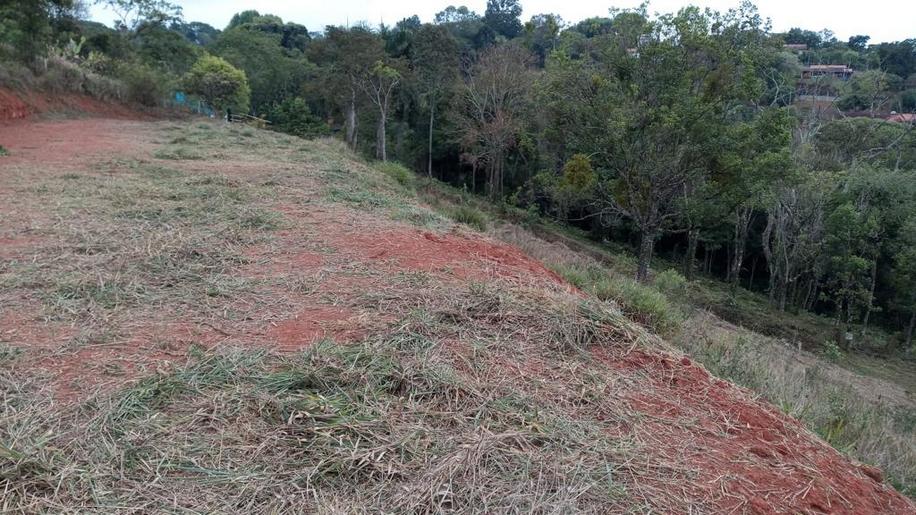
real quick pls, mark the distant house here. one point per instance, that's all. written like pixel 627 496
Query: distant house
pixel 837 71
pixel 795 47
pixel 901 117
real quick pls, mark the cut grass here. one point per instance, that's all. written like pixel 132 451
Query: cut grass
pixel 387 424
pixel 144 236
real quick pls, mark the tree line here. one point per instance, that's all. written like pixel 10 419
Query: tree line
pixel 684 135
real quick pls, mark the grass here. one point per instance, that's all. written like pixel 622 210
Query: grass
pixel 466 397
pixel 387 424
pixel 469 216
pixel 868 421
pixel 143 237
pixel 819 394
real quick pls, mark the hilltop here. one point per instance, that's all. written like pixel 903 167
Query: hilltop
pixel 214 318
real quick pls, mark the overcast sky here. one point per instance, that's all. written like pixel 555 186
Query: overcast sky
pixel 883 20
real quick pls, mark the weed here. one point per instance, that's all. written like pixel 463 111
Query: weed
pixel 3 151
pixel 469 216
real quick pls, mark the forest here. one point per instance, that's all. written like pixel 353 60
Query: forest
pixel 700 137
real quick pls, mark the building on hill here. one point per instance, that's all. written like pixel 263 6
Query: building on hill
pixel 836 71
pixel 901 117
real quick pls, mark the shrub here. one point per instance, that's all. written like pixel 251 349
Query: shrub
pixel 219 83
pixel 642 303
pixel 469 216
pixel 396 171
pixel 143 85
pixel 293 116
pixel 670 281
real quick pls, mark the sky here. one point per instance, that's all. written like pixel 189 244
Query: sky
pixel 883 20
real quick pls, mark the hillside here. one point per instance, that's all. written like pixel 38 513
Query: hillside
pixel 196 316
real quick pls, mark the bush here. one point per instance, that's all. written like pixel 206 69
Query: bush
pixel 641 303
pixel 293 116
pixel 469 216
pixel 3 151
pixel 396 171
pixel 143 85
pixel 220 84
pixel 670 281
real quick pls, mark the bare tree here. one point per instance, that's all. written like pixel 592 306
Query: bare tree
pixel 492 100
pixel 793 237
pixel 379 85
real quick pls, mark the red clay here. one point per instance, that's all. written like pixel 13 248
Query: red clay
pixel 706 440
pixel 468 258
pixel 313 324
pixel 746 455
pixel 17 105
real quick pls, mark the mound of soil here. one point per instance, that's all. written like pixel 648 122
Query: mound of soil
pixel 17 105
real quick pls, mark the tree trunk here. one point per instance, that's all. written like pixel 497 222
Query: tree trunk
pixel 871 295
pixel 381 140
pixel 750 281
pixel 690 260
pixel 783 290
pixel 474 178
pixel 742 226
pixel 351 121
pixel 429 152
pixel 646 246
pixel 909 330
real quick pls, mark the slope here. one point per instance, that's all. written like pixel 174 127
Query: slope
pixel 212 318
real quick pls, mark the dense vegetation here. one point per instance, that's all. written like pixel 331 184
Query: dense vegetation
pixel 686 135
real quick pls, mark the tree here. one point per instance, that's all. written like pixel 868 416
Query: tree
pixel 793 236
pixel 489 113
pixel 904 274
pixel 435 62
pixel 866 91
pixel 131 13
pixel 504 17
pixel 757 157
pixel 858 43
pixel 275 73
pixel 25 25
pixel 650 119
pixel 219 83
pixel 379 85
pixel 346 57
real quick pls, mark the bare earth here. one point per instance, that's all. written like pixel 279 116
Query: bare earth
pixel 331 271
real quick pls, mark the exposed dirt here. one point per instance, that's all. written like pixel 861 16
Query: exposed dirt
pixel 325 276
pixel 18 105
pixel 746 455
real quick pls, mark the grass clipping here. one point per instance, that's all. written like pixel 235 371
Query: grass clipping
pixel 399 422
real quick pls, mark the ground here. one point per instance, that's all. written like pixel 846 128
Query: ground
pixel 207 317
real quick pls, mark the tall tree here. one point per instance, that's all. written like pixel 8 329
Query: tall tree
pixel 346 57
pixel 435 59
pixel 504 17
pixel 490 109
pixel 379 85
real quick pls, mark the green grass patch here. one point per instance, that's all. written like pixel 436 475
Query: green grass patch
pixel 469 216
pixel 642 303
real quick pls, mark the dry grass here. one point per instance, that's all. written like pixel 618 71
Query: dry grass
pixel 399 422
pixel 868 419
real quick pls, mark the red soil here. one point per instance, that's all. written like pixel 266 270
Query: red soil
pixel 746 455
pixel 739 454
pixel 472 258
pixel 316 323
pixel 16 105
